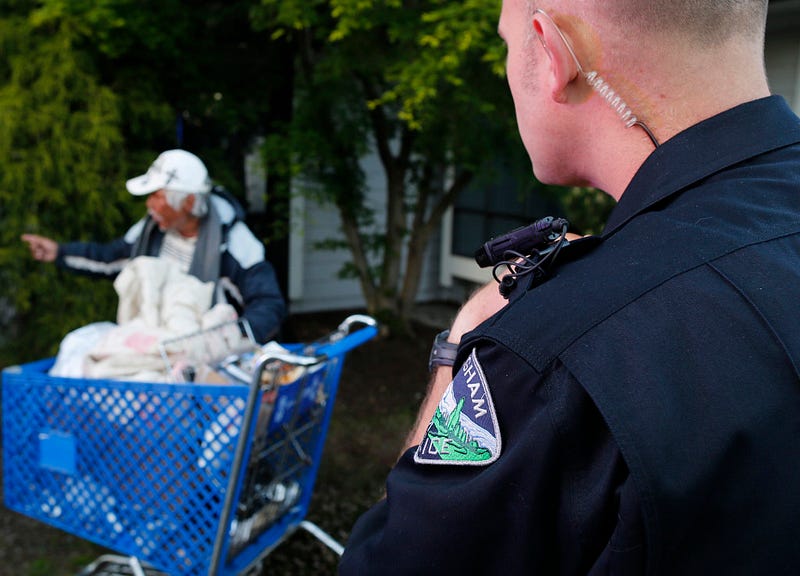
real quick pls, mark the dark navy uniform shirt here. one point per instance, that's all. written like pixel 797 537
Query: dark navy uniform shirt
pixel 639 411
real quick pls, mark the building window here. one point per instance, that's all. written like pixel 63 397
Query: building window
pixel 503 196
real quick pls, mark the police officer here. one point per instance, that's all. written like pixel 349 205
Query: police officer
pixel 636 411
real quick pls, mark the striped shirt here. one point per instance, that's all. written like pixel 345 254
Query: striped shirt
pixel 178 249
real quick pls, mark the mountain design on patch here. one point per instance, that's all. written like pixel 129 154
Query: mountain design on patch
pixel 464 428
pixel 452 441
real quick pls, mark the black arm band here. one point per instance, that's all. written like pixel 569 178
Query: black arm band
pixel 443 352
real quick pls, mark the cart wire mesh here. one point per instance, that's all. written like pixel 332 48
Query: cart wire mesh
pixel 189 478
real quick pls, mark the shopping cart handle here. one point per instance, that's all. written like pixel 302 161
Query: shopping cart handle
pixel 342 341
pixel 344 328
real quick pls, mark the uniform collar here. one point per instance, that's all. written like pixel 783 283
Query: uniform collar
pixel 706 148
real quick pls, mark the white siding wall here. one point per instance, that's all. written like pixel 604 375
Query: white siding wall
pixel 313 281
pixel 313 273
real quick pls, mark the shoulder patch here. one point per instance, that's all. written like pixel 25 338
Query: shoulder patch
pixel 464 429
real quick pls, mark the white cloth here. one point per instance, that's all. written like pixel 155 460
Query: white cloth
pixel 74 348
pixel 156 302
pixel 155 291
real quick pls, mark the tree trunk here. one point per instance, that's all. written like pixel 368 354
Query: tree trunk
pixel 351 232
pixel 421 231
pixel 395 234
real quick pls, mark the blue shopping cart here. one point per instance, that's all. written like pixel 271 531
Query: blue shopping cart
pixel 177 478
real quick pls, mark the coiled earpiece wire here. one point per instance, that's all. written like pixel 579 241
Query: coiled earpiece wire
pixel 602 87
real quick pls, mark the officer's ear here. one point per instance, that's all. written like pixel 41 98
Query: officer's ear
pixel 562 68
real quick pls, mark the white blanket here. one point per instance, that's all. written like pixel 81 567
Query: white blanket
pixel 156 303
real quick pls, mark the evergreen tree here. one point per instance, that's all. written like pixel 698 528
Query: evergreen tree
pixel 60 145
pixel 90 93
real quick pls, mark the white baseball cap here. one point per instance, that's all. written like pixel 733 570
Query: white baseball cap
pixel 176 170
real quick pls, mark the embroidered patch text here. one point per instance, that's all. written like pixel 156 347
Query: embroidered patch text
pixel 464 429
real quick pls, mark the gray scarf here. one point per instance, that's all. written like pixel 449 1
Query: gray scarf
pixel 206 259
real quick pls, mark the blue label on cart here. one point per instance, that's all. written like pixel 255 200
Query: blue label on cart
pixel 464 429
pixel 57 452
